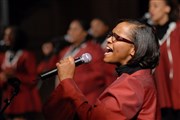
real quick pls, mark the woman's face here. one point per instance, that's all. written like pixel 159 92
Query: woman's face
pixel 98 28
pixel 76 32
pixel 119 51
pixel 158 10
pixel 8 36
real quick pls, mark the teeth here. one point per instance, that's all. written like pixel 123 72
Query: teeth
pixel 109 49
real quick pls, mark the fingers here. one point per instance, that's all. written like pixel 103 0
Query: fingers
pixel 65 68
pixel 68 60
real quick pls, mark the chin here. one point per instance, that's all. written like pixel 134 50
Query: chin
pixel 106 60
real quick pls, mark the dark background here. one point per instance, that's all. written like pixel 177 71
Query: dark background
pixel 44 19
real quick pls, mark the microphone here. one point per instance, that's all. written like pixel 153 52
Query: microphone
pixel 85 58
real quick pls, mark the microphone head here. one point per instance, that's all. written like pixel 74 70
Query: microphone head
pixel 86 57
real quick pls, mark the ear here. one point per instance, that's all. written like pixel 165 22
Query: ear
pixel 132 51
pixel 167 9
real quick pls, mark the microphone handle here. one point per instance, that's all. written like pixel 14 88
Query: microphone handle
pixel 49 74
pixel 54 71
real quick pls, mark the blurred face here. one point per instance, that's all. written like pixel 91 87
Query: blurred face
pixel 76 32
pixel 159 11
pixel 47 48
pixel 119 51
pixel 98 28
pixel 8 36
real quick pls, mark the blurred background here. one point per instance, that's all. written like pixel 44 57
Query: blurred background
pixel 44 19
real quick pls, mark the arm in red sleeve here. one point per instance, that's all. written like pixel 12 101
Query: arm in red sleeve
pixel 60 106
pixel 111 105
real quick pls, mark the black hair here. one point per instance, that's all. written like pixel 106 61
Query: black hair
pixel 84 24
pixel 174 13
pixel 103 20
pixel 146 45
pixel 19 39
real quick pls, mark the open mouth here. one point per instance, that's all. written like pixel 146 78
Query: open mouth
pixel 108 50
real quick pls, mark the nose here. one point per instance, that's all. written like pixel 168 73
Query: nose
pixel 109 40
pixel 151 9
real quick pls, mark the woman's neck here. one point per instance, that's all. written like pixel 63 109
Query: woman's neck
pixel 77 43
pixel 164 20
pixel 80 41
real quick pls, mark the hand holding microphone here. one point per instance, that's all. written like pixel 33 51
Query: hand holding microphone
pixel 67 66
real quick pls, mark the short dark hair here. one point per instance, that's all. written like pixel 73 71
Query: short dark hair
pixel 146 45
pixel 84 24
pixel 20 37
pixel 174 13
pixel 103 20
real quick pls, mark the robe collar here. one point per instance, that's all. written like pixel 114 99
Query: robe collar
pixel 120 69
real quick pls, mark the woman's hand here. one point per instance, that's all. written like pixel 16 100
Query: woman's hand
pixel 66 68
pixel 3 77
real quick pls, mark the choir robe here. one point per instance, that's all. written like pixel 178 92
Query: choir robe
pixel 46 65
pixel 110 73
pixel 91 78
pixel 129 97
pixel 168 86
pixel 1 60
pixel 27 100
pixel 47 86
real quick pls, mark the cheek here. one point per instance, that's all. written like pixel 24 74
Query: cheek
pixel 120 48
pixel 121 51
pixel 159 12
pixel 74 35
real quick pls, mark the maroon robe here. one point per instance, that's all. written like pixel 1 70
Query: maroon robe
pixel 46 65
pixel 130 96
pixel 1 60
pixel 28 99
pixel 167 74
pixel 110 72
pixel 47 86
